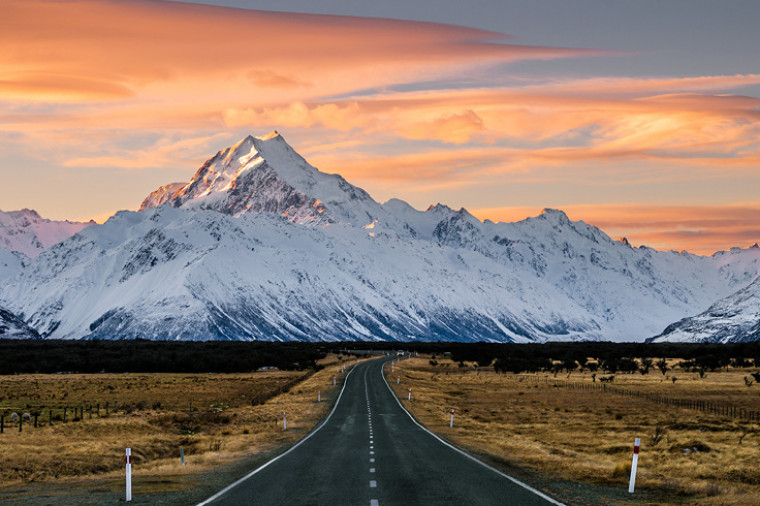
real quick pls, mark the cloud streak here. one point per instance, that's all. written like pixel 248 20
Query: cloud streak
pixel 117 86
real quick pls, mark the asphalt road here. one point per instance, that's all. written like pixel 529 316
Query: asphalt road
pixel 369 451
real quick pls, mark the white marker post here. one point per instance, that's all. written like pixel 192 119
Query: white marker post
pixel 333 380
pixel 392 369
pixel 398 379
pixel 634 464
pixel 129 474
pixel 451 424
pixel 319 396
pixel 410 394
pixel 284 421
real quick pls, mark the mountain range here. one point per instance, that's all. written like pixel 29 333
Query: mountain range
pixel 260 245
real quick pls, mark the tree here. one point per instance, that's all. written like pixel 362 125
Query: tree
pixel 646 364
pixel 662 365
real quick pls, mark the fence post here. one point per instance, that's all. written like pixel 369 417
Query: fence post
pixel 182 455
pixel 35 420
pixel 2 424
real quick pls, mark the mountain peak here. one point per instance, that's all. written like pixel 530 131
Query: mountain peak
pixel 274 134
pixel 265 174
pixel 556 216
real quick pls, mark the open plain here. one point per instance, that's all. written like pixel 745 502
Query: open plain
pixel 565 427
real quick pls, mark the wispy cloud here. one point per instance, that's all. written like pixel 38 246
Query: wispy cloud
pixel 403 108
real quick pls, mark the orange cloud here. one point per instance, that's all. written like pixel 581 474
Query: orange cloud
pixel 167 49
pixel 112 85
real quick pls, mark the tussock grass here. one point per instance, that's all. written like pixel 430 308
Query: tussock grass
pixel 588 436
pixel 222 426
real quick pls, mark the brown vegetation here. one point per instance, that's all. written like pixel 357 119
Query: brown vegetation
pixel 215 418
pixel 535 421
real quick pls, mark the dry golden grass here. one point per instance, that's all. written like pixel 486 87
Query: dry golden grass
pixel 222 427
pixel 588 436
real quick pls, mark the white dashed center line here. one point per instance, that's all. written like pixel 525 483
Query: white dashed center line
pixel 371 461
pixel 372 484
pixel 371 469
pixel 374 502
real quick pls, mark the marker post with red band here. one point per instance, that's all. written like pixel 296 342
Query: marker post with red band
pixel 129 474
pixel 634 464
pixel 451 425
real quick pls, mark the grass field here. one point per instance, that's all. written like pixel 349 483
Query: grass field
pixel 154 418
pixel 531 421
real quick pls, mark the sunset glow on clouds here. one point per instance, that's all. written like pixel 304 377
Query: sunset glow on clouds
pixel 101 102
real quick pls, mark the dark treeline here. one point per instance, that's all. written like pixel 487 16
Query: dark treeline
pixel 602 356
pixel 153 356
pixel 215 356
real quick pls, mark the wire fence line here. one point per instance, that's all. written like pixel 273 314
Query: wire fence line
pixel 718 408
pixel 42 415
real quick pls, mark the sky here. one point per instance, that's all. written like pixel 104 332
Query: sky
pixel 642 118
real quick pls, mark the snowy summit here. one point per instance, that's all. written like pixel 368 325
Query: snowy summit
pixel 260 245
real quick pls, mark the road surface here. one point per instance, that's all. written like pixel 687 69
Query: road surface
pixel 369 451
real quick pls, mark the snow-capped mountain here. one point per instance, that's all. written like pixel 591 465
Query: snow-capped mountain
pixel 27 232
pixel 12 327
pixel 265 174
pixel 735 318
pixel 261 245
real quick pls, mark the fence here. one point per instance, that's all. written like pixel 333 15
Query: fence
pixel 41 416
pixel 703 406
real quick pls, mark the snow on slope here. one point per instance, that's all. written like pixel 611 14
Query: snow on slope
pixel 177 274
pixel 735 318
pixel 265 174
pixel 12 327
pixel 27 232
pixel 630 289
pixel 11 263
pixel 261 245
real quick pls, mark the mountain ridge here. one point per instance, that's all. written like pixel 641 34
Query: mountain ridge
pixel 262 245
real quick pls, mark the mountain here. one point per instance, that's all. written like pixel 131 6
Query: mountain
pixel 265 174
pixel 261 245
pixel 11 263
pixel 12 327
pixel 27 232
pixel 735 318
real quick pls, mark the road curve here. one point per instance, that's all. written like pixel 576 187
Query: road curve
pixel 370 451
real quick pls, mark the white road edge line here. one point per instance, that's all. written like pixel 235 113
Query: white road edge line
pixel 474 459
pixel 302 441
